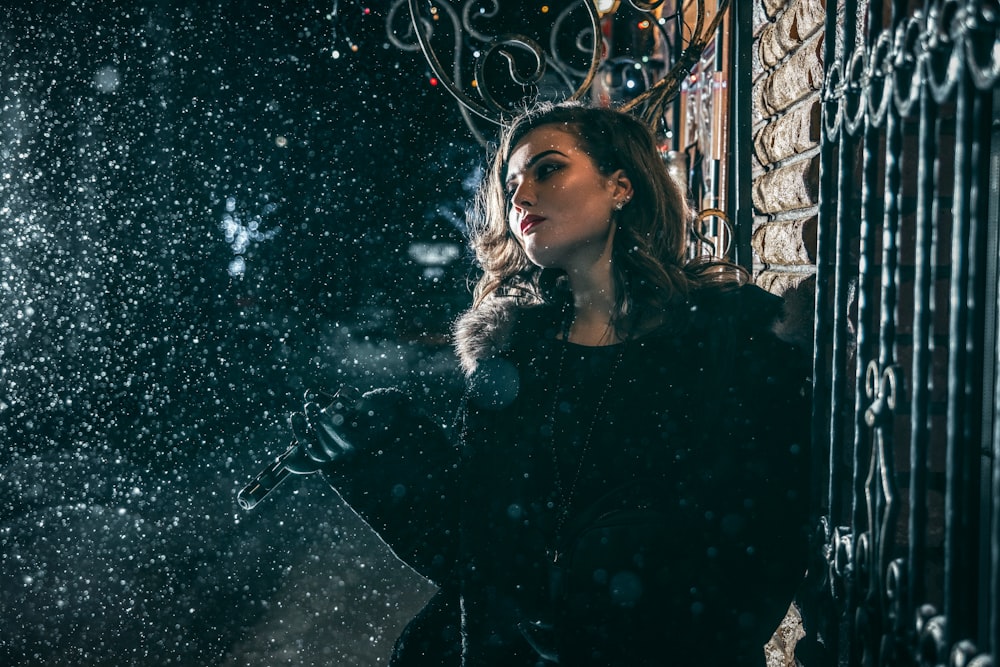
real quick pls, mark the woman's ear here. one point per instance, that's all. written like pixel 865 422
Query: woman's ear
pixel 622 185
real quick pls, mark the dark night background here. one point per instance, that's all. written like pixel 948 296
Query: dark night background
pixel 203 213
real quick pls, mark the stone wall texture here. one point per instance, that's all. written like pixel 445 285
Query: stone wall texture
pixel 788 77
pixel 787 80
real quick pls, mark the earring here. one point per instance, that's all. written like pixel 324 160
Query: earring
pixel 619 206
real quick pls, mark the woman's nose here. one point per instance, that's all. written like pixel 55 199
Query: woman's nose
pixel 524 195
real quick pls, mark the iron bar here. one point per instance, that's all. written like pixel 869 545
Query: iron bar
pixel 956 526
pixel 911 68
pixel 992 635
pixel 741 133
pixel 923 324
pixel 978 361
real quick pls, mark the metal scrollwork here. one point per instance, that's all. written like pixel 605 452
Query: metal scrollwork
pixel 833 92
pixel 905 89
pixel 841 562
pixel 870 575
pixel 865 584
pixel 966 654
pixel 857 87
pixel 935 48
pixel 399 27
pixel 479 52
pixel 704 230
pixel 880 84
pixel 652 104
pixel 644 6
pixel 983 47
pixel 931 636
pixel 943 36
pixel 880 487
pixel 506 46
pixel 895 594
pixel 478 40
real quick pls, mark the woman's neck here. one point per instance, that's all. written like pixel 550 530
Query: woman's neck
pixel 593 306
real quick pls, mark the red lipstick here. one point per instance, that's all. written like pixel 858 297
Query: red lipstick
pixel 528 222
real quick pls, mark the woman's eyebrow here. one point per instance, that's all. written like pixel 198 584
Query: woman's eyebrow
pixel 538 157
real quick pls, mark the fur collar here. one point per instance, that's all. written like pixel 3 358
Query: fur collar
pixel 487 330
pixel 484 331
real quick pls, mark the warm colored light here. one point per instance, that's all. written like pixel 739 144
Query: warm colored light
pixel 545 9
pixel 433 81
pixel 643 24
pixel 606 6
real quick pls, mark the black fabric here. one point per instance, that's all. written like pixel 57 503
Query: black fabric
pixel 433 638
pixel 686 536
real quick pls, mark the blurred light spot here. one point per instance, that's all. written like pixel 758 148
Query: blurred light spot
pixel 107 79
pixel 434 254
pixel 626 589
pixel 605 6
pixel 237 267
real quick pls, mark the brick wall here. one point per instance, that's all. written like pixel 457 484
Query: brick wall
pixel 788 76
pixel 787 80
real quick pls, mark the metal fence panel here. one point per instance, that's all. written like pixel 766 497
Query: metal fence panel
pixel 906 398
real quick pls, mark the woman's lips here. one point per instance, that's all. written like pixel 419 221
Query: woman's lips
pixel 528 222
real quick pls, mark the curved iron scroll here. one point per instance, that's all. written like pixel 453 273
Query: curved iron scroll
pixel 482 32
pixel 928 75
pixel 923 48
pixel 463 42
pixel 652 104
pixel 879 604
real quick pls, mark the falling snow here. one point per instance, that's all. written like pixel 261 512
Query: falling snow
pixel 203 213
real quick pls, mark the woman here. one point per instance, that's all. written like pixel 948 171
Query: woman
pixel 629 486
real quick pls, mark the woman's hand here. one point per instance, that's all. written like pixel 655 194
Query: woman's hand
pixel 348 424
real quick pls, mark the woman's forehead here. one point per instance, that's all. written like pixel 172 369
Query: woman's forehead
pixel 559 137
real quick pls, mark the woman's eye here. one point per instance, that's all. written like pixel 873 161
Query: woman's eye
pixel 545 170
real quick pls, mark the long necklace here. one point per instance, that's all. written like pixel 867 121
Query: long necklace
pixel 563 495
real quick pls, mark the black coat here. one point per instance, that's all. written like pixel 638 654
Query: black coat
pixel 675 528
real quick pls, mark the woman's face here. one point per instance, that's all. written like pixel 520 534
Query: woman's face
pixel 560 203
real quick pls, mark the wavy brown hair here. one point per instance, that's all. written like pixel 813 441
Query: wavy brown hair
pixel 649 259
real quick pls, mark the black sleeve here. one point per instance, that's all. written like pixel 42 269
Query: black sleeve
pixel 404 487
pixel 757 464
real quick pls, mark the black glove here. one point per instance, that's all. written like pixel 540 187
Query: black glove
pixel 348 424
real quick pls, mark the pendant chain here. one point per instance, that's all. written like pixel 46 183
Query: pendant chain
pixel 564 497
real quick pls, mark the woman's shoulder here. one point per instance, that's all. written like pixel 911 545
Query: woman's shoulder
pixel 744 309
pixel 491 328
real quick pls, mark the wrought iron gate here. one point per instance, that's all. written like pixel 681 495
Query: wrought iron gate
pixel 906 337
